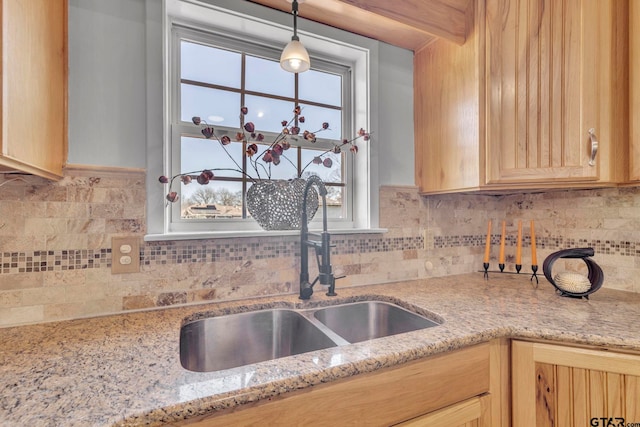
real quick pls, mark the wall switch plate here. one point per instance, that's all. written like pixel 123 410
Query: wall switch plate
pixel 125 255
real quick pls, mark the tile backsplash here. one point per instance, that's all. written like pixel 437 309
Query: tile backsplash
pixel 55 245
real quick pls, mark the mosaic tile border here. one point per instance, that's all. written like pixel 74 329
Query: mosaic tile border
pixel 607 247
pixel 180 253
pixel 161 254
pixel 37 261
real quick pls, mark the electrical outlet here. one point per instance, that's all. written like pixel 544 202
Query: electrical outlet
pixel 125 255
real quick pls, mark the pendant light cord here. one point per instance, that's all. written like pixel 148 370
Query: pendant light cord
pixel 294 8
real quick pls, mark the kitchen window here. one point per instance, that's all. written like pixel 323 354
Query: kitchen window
pixel 216 75
pixel 212 70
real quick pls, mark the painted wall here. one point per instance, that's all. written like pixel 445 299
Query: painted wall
pixel 107 82
pixel 115 84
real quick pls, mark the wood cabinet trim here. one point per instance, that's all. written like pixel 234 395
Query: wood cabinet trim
pixel 410 24
pixel 634 75
pixel 598 360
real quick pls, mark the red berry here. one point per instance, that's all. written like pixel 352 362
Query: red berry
pixel 311 137
pixel 205 177
pixel 249 127
pixel 172 197
pixel 207 132
pixel 252 149
pixel 225 140
pixel 244 110
pixel 196 120
pixel 327 162
pixel 163 179
pixel 186 179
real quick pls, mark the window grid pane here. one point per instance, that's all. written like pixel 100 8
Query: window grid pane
pixel 270 101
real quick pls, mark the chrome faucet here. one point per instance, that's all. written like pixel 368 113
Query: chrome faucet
pixel 322 247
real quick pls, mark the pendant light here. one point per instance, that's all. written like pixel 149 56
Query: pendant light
pixel 295 58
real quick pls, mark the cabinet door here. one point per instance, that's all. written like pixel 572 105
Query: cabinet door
pixel 564 386
pixel 550 79
pixel 34 86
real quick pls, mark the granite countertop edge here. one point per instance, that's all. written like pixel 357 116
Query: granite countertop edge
pixel 56 371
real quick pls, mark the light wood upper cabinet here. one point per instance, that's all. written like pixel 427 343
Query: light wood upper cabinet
pixel 555 385
pixel 34 86
pixel 512 108
pixel 634 114
pixel 551 77
pixel 448 111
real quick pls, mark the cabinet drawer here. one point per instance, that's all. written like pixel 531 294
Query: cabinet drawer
pixel 384 397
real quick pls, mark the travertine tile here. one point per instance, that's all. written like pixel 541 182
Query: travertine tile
pixel 69 225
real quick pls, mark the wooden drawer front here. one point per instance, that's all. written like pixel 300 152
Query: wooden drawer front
pixel 470 413
pixel 386 397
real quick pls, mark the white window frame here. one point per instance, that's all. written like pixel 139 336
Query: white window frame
pixel 180 129
pixel 205 16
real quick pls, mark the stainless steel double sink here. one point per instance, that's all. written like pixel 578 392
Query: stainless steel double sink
pixel 229 341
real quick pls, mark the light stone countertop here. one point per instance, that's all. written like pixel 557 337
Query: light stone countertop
pixel 125 369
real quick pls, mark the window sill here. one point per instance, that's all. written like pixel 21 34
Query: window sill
pixel 252 233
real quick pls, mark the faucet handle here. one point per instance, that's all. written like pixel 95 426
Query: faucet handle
pixel 306 291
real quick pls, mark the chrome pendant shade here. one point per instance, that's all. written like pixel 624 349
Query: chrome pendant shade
pixel 295 58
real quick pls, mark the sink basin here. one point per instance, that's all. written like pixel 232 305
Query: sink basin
pixel 240 339
pixel 224 342
pixel 366 320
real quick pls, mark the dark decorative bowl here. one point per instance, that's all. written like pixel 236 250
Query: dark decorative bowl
pixel 595 276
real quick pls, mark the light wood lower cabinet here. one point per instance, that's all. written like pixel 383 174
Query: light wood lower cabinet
pixel 458 381
pixel 556 385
